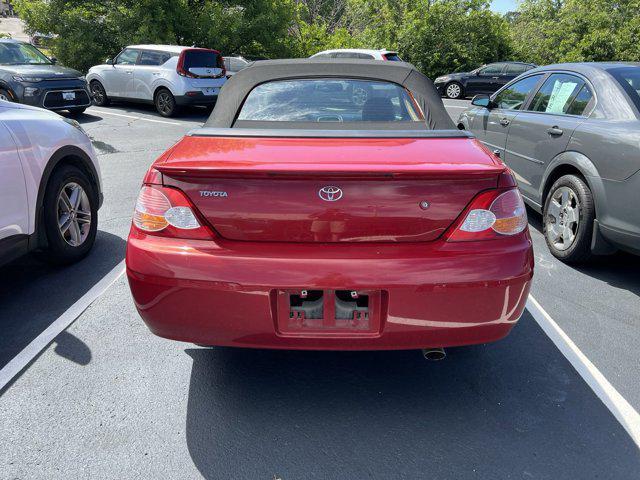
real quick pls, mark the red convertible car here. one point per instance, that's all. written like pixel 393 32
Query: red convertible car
pixel 325 205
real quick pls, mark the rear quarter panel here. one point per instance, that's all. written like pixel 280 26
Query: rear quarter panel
pixel 608 155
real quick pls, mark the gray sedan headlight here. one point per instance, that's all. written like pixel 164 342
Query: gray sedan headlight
pixel 440 79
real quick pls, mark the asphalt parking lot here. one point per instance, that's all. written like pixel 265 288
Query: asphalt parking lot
pixel 107 399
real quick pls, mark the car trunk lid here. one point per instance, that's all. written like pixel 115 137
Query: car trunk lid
pixel 330 189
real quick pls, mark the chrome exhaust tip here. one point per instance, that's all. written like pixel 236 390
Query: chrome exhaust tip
pixel 434 354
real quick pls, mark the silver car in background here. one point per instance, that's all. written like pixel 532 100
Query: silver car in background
pixel 571 135
pixel 168 76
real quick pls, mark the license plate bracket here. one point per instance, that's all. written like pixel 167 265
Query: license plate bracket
pixel 328 312
pixel 68 95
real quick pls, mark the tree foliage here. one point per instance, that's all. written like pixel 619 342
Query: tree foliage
pixel 86 31
pixel 438 36
pixel 549 31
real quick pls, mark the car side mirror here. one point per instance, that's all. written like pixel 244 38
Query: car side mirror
pixel 482 101
pixel 109 61
pixel 54 60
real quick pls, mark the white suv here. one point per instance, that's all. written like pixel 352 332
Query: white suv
pixel 49 185
pixel 168 76
pixel 359 53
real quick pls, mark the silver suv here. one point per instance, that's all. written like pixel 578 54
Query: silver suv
pixel 169 76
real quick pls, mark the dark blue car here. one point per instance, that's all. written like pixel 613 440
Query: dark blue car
pixel 486 79
pixel 28 76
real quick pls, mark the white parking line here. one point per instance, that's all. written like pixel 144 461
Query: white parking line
pixel 456 106
pixel 20 361
pixel 103 112
pixel 616 403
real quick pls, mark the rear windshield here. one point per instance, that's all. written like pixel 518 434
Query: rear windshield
pixel 629 79
pixel 202 59
pixel 330 100
pixel 392 57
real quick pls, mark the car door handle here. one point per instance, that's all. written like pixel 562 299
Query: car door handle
pixel 504 122
pixel 495 78
pixel 128 72
pixel 555 131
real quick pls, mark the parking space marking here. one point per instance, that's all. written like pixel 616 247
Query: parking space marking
pixel 20 361
pixel 102 112
pixel 628 417
pixel 616 403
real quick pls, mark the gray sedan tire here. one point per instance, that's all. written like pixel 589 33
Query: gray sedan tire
pixel 454 90
pixel 567 221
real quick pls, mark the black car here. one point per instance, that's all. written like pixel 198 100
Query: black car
pixel 486 79
pixel 29 76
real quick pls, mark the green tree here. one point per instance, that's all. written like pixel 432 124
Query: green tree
pixel 453 35
pixel 549 31
pixel 86 32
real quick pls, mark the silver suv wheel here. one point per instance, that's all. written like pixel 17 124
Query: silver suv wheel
pixel 74 214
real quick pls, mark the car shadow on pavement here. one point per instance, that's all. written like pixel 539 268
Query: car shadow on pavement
pixel 33 294
pixel 82 118
pixel 513 409
pixel 196 114
pixel 619 270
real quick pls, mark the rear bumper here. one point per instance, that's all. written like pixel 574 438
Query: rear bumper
pixel 436 294
pixel 196 99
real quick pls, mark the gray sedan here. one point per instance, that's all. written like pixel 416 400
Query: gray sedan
pixel 571 135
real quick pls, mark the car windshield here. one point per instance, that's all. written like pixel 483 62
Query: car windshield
pixel 21 54
pixel 330 100
pixel 629 79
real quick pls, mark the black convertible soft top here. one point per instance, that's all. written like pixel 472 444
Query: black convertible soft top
pixel 236 89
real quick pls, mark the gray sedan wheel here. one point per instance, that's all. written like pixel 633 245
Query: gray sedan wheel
pixel 453 90
pixel 568 219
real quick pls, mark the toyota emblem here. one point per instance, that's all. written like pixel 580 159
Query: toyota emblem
pixel 330 193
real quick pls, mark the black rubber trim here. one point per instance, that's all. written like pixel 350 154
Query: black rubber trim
pixel 323 133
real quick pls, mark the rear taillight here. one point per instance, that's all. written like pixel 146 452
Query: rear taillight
pixel 491 214
pixel 167 212
pixel 180 67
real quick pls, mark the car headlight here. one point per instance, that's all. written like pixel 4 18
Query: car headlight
pixel 83 78
pixel 74 124
pixel 21 78
pixel 440 79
